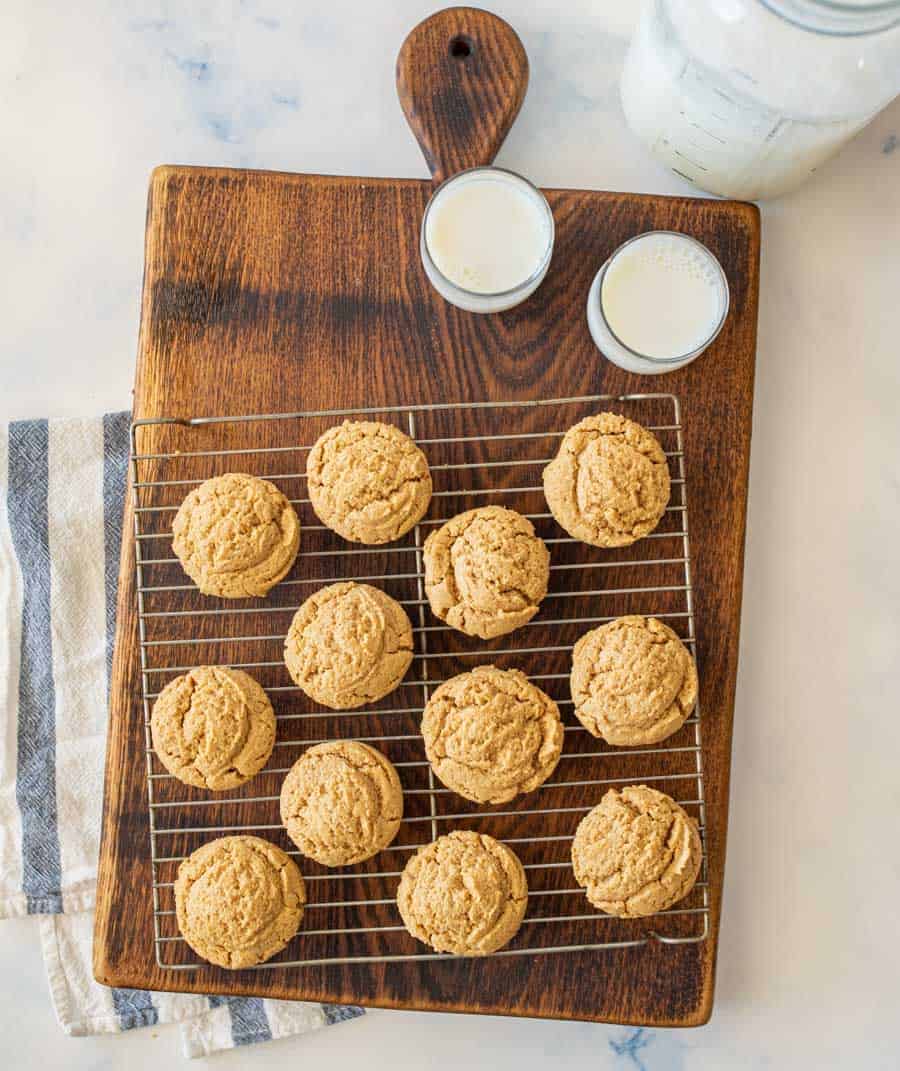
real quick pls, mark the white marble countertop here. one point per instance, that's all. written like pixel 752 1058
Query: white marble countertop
pixel 96 93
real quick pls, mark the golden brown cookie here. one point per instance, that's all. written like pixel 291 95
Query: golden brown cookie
pixel 490 734
pixel 238 901
pixel 348 644
pixel 464 893
pixel 236 536
pixel 633 681
pixel 342 802
pixel 368 481
pixel 637 852
pixel 486 571
pixel 609 483
pixel 213 727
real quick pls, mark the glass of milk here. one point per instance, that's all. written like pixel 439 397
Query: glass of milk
pixel 746 98
pixel 487 239
pixel 657 303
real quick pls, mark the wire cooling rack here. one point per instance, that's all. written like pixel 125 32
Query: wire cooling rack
pixel 351 914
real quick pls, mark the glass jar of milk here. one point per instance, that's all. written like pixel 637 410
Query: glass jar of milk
pixel 745 98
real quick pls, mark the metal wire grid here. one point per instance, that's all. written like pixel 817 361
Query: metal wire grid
pixel 369 914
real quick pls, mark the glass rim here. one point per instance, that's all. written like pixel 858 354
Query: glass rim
pixel 546 256
pixel 880 16
pixel 708 341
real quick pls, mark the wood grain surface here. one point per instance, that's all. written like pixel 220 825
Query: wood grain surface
pixel 275 292
pixel 461 78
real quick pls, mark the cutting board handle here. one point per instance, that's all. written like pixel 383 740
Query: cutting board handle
pixel 461 78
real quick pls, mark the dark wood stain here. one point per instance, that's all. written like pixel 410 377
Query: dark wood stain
pixel 275 292
pixel 461 107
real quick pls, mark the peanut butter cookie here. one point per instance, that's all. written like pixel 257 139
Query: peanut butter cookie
pixel 491 734
pixel 348 644
pixel 368 481
pixel 637 852
pixel 238 901
pixel 342 802
pixel 486 571
pixel 609 483
pixel 236 536
pixel 464 893
pixel 213 727
pixel 633 681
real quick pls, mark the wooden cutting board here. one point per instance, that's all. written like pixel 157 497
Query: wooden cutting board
pixel 276 292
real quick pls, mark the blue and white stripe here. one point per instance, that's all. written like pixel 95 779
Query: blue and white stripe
pixel 27 513
pixel 115 472
pixel 12 899
pixel 62 486
pixel 78 645
pixel 134 1007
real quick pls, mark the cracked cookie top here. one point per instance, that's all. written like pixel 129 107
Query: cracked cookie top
pixel 609 484
pixel 213 727
pixel 236 536
pixel 637 852
pixel 368 481
pixel 464 893
pixel 348 644
pixel 490 734
pixel 633 681
pixel 342 802
pixel 238 900
pixel 486 571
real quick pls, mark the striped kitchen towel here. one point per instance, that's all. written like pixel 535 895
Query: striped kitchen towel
pixel 62 485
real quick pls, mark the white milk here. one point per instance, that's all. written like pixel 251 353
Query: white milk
pixel 657 303
pixel 744 103
pixel 727 144
pixel 487 238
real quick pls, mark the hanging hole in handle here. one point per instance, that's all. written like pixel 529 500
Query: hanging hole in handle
pixel 461 47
